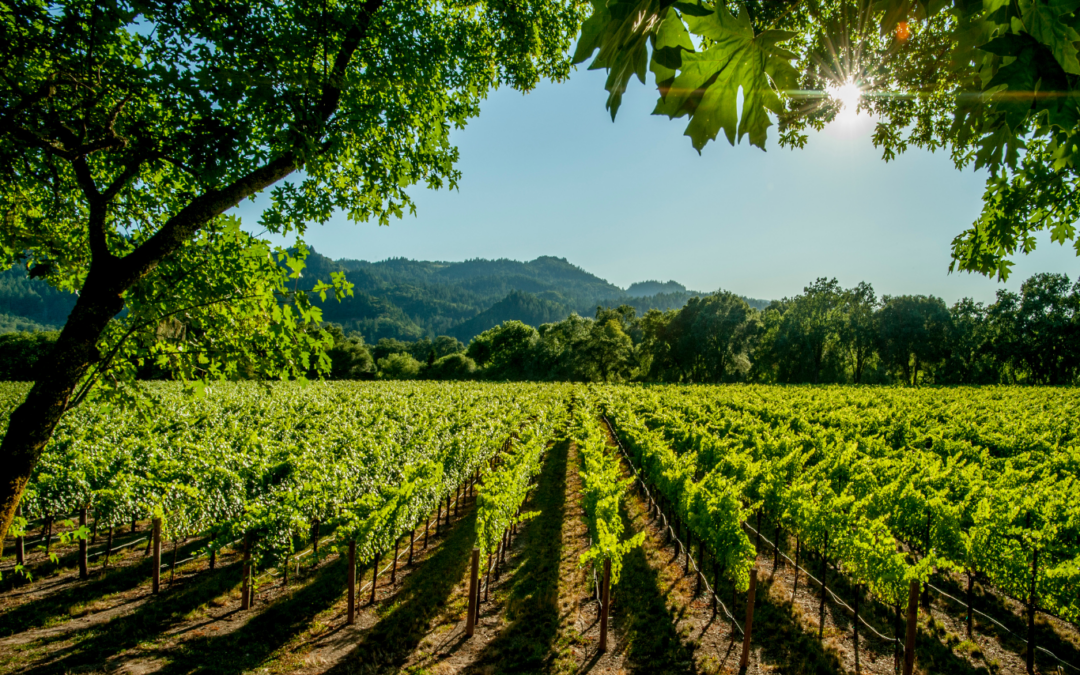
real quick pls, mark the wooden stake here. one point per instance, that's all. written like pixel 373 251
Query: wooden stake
pixel 457 500
pixel 351 617
pixel 213 559
pixel 858 592
pixel 393 565
pixel 971 609
pixel 824 587
pixel 438 518
pixel 798 550
pixel 108 547
pixel 474 571
pixel 134 524
pixel 1032 608
pixel 605 601
pixel 245 588
pixel 84 572
pixel 750 593
pixel 487 583
pixel 912 615
pixel 172 567
pixel 156 541
pixel 448 510
pixel 315 544
pixel 374 578
pixel 412 541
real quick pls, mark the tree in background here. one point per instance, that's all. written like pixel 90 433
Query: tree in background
pixel 349 356
pixel 21 352
pixel 607 351
pixel 129 130
pixel 1039 329
pixel 971 358
pixel 454 366
pixel 504 351
pixel 912 333
pixel 858 335
pixel 717 333
pixel 399 366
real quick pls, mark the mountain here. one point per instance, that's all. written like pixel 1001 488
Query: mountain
pixel 411 299
pixel 643 289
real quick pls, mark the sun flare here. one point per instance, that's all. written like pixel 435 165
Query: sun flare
pixel 848 95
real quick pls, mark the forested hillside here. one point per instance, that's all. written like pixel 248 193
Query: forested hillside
pixel 411 299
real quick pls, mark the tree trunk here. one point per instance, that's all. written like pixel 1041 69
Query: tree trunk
pixel 31 425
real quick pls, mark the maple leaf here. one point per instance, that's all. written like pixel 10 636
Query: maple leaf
pixel 736 60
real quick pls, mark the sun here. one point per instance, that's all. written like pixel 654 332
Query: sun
pixel 848 95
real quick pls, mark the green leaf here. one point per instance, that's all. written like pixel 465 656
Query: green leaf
pixel 709 83
pixel 1044 22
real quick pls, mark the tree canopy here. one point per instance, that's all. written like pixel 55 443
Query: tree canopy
pixel 993 83
pixel 129 129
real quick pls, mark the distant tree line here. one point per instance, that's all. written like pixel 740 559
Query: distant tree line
pixel 827 334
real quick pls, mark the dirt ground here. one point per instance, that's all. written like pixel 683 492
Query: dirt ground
pixel 540 614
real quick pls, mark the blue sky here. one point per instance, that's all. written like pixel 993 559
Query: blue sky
pixel 548 173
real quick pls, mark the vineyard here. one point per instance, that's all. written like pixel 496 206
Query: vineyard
pixel 423 527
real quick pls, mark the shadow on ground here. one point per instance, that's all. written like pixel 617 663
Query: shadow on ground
pixel 527 643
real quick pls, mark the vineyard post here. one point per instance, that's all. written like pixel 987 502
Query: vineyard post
pixel 374 578
pixel 776 547
pixel 605 597
pixel 156 541
pixel 701 566
pixel 689 547
pixel 798 551
pixel 448 510
pixel 393 567
pixel 970 599
pixel 134 524
pixel 474 571
pixel 716 569
pixel 1032 608
pixel 487 582
pixel 412 541
pixel 757 531
pixel 438 518
pixel 245 589
pixel 912 615
pixel 315 543
pixel 427 523
pixel 84 573
pixel 824 586
pixel 896 640
pixel 925 600
pixel 108 547
pixel 744 661
pixel 351 617
pixel 172 567
pixel 855 624
pixel 285 570
pixel 213 559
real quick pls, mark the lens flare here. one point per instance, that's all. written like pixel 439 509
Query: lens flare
pixel 848 95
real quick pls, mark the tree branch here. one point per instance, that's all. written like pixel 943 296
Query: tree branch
pixel 213 203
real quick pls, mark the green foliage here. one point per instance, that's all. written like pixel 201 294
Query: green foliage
pixel 451 367
pixel 21 352
pixel 399 367
pixel 968 479
pixel 370 460
pixel 603 490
